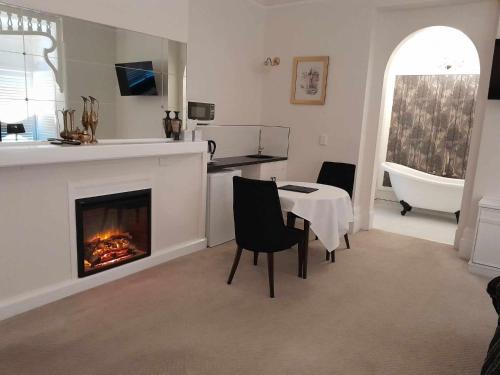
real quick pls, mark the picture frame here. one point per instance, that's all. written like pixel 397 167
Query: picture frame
pixel 309 80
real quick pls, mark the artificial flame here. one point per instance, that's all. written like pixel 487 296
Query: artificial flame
pixel 103 236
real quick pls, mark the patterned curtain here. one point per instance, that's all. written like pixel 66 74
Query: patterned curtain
pixel 431 124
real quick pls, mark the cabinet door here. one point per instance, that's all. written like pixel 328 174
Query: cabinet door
pixel 487 247
pixel 220 222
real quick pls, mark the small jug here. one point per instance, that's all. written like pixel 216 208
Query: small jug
pixel 85 114
pixel 93 118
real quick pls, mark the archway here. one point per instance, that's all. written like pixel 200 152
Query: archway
pixel 425 126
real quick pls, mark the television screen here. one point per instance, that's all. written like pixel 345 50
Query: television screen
pixel 494 92
pixel 136 78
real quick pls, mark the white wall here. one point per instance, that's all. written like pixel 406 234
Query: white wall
pixel 225 58
pixel 487 177
pixel 341 30
pixel 167 18
pixel 478 21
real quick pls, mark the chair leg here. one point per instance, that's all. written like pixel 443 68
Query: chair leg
pixel 327 255
pixel 333 256
pixel 290 219
pixel 270 270
pixel 301 257
pixel 346 238
pixel 235 264
pixel 305 255
pixel 255 257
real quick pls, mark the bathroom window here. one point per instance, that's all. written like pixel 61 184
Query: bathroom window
pixel 30 74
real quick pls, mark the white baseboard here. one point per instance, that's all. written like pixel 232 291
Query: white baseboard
pixel 362 220
pixel 485 271
pixel 356 225
pixel 466 243
pixel 43 296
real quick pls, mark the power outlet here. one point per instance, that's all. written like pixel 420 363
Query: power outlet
pixel 323 140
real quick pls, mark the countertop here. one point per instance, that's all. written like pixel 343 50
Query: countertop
pixel 44 153
pixel 238 161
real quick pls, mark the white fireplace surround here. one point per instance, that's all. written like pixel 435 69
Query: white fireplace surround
pixel 39 202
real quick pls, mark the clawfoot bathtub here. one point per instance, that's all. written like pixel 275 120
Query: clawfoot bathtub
pixel 419 189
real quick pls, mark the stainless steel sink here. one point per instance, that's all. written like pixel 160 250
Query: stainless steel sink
pixel 257 156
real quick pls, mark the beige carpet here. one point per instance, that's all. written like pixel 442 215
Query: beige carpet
pixel 391 305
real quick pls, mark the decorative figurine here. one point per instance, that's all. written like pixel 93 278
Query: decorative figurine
pixel 93 118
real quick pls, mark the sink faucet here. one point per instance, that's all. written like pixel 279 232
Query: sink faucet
pixel 260 149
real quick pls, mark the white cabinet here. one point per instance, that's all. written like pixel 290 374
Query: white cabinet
pixel 485 258
pixel 220 222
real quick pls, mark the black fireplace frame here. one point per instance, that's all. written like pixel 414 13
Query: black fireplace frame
pixel 102 200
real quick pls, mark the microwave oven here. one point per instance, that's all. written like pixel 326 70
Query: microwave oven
pixel 201 111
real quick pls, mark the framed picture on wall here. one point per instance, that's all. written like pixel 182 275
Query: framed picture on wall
pixel 309 78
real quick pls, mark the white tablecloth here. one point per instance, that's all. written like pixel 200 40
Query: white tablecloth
pixel 329 210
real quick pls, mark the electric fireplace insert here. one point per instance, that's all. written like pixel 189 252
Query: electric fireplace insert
pixel 112 230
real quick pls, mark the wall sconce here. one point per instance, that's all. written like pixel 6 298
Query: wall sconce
pixel 275 61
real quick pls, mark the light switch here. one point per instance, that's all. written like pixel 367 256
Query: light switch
pixel 323 140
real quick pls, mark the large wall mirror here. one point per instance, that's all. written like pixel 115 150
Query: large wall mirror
pixel 48 62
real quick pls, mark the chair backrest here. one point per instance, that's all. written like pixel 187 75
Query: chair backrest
pixel 340 175
pixel 258 220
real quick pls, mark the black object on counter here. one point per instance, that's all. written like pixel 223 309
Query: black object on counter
pixel 60 141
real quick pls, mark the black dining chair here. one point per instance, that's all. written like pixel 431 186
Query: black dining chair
pixel 259 225
pixel 340 175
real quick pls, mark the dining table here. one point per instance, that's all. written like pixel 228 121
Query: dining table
pixel 327 211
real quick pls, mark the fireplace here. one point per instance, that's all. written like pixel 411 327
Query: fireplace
pixel 112 230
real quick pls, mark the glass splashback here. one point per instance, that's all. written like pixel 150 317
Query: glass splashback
pixel 48 62
pixel 241 140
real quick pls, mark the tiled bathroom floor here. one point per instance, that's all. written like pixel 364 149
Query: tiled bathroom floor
pixel 438 227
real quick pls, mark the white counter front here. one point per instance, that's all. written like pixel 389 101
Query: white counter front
pixel 38 189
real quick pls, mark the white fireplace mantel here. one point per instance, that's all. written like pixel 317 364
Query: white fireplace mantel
pixel 36 154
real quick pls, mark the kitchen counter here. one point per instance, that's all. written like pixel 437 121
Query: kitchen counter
pixel 238 161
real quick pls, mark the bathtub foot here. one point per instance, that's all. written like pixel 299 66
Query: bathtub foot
pixel 457 215
pixel 406 208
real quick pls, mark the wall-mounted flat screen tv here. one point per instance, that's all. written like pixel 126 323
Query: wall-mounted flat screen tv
pixel 136 78
pixel 494 92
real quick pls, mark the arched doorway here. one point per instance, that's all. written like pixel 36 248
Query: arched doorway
pixel 426 119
